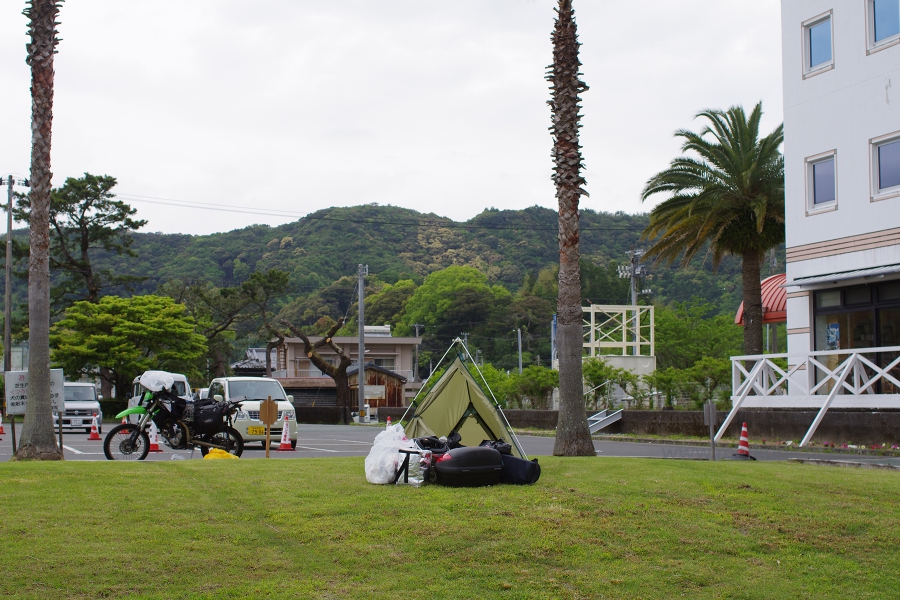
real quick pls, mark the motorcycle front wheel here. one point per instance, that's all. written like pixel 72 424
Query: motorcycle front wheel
pixel 229 439
pixel 126 442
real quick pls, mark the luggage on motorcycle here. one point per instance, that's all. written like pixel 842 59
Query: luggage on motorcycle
pixel 211 418
pixel 469 467
pixel 177 408
pixel 203 402
pixel 499 445
pixel 519 471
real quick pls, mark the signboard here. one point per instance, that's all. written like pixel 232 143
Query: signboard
pixel 374 392
pixel 268 411
pixel 17 391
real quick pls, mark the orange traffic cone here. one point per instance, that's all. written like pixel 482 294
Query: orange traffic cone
pixel 1 424
pixel 286 437
pixel 388 426
pixel 154 438
pixel 743 452
pixel 95 433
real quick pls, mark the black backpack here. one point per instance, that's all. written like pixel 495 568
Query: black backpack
pixel 499 445
pixel 432 443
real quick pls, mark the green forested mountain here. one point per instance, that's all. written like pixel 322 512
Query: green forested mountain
pixel 399 243
pixel 513 249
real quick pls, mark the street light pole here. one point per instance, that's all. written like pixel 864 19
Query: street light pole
pixel 519 334
pixel 416 365
pixel 361 377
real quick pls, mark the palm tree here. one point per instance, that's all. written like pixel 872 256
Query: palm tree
pixel 573 437
pixel 728 200
pixel 37 441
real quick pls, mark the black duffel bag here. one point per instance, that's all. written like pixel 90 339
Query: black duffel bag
pixel 519 471
pixel 210 418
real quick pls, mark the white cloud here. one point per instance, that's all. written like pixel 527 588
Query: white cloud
pixel 298 105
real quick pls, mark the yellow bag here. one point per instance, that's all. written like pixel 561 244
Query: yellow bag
pixel 218 453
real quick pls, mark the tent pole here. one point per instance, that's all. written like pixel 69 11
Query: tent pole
pixel 515 440
pixel 430 375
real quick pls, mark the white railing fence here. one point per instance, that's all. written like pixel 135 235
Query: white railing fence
pixel 823 380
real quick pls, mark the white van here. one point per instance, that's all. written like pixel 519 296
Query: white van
pixel 82 403
pixel 251 391
pixel 180 388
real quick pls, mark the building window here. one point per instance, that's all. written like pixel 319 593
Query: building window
pixel 884 23
pixel 886 167
pixel 821 178
pixel 817 45
pixel 855 317
pixel 385 363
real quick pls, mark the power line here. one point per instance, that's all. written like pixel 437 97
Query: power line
pixel 442 222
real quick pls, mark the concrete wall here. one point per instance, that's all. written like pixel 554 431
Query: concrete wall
pixel 838 426
pixel 327 415
pixel 859 427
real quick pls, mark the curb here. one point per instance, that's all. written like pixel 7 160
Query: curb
pixel 844 463
pixel 779 447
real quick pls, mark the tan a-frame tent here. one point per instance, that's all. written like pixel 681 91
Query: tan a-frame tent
pixel 458 403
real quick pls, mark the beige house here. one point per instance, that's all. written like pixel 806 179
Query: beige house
pixel 311 387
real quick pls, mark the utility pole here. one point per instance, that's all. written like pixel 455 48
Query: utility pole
pixel 361 378
pixel 416 366
pixel 7 296
pixel 465 336
pixel 635 270
pixel 7 306
pixel 519 334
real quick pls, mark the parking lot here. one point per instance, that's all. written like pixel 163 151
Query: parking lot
pixel 320 441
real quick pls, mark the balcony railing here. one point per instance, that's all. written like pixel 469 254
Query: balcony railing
pixel 855 378
pixel 317 374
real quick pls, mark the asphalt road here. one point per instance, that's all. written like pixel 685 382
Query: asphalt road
pixel 318 441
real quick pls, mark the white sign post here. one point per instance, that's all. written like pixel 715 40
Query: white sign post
pixel 17 391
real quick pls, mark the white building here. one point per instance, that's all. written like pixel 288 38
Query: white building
pixel 841 72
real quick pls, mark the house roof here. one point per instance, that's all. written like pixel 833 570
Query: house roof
pixel 371 340
pixel 352 370
pixel 255 358
pixel 774 301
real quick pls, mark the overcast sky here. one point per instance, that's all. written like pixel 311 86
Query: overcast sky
pixel 284 107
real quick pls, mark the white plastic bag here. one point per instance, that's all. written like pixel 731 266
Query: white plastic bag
pixel 384 457
pixel 157 380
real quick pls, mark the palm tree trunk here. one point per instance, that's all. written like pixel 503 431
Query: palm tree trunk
pixel 37 441
pixel 753 314
pixel 573 437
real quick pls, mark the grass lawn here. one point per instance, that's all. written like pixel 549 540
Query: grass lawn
pixel 313 528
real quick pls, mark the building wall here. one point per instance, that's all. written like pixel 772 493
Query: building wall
pixel 302 373
pixel 392 387
pixel 838 109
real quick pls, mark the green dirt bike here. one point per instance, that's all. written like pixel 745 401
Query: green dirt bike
pixel 182 425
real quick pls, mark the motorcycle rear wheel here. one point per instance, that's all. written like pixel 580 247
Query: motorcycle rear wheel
pixel 230 439
pixel 118 444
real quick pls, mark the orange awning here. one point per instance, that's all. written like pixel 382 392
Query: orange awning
pixel 774 301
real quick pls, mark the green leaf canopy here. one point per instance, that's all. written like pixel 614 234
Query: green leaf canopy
pixel 127 336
